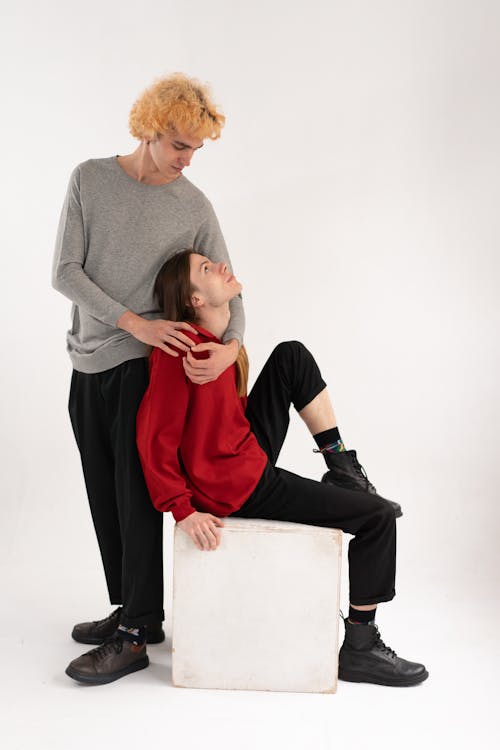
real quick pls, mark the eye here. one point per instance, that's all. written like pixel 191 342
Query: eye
pixel 178 148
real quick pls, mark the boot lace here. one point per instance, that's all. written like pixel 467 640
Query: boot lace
pixel 361 472
pixel 379 644
pixel 109 617
pixel 377 640
pixel 114 643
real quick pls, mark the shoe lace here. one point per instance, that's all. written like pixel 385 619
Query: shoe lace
pixel 112 616
pixel 379 643
pixel 377 640
pixel 113 643
pixel 361 471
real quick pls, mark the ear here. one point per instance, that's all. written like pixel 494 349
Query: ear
pixel 196 300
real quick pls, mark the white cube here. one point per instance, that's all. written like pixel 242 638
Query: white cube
pixel 261 611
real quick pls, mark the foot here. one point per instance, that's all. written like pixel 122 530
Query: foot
pixel 346 471
pixel 97 631
pixel 115 658
pixel 364 657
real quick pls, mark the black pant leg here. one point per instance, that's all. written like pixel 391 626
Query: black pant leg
pixel 141 524
pixel 90 426
pixel 290 376
pixel 282 495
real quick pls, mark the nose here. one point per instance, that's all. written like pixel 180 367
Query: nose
pixel 186 158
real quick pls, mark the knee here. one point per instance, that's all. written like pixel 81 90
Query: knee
pixel 289 350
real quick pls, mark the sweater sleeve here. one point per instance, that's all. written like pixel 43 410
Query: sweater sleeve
pixel 160 425
pixel 209 241
pixel 68 276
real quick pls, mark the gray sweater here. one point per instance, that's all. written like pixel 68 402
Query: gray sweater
pixel 113 237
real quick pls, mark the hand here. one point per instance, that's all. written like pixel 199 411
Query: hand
pixel 202 528
pixel 220 357
pixel 162 332
pixel 157 332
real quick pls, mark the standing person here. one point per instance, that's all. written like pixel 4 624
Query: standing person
pixel 212 452
pixel 122 217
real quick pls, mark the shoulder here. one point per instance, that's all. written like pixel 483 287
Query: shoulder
pixel 199 201
pixel 163 367
pixel 97 167
pixel 90 170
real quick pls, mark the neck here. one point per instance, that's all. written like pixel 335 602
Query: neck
pixel 214 319
pixel 142 168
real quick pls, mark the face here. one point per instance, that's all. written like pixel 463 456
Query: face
pixel 171 152
pixel 213 283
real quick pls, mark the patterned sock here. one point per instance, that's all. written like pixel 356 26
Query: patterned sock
pixel 134 635
pixel 328 442
pixel 362 616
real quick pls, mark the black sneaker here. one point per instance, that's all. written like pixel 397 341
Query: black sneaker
pixel 364 657
pixel 346 471
pixel 115 658
pixel 97 631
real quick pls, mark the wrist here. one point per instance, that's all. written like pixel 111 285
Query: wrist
pixel 130 322
pixel 234 346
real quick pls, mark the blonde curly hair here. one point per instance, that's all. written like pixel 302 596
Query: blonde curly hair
pixel 179 104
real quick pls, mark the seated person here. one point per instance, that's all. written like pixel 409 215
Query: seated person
pixel 211 451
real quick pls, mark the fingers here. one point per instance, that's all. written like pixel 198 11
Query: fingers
pixel 180 340
pixel 166 349
pixel 203 530
pixel 205 347
pixel 198 379
pixel 202 540
pixel 171 332
pixel 195 374
pixel 217 521
pixel 198 364
pixel 207 536
pixel 185 326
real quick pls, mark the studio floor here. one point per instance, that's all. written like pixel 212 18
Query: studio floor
pixel 44 708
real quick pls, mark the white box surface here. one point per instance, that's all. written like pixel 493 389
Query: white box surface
pixel 261 611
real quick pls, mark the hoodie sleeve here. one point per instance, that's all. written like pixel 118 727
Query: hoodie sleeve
pixel 160 425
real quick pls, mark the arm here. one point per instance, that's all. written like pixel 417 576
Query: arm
pixel 160 425
pixel 68 276
pixel 210 241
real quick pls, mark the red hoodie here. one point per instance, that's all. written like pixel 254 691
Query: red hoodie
pixel 195 444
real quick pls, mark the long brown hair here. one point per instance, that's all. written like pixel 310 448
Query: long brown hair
pixel 173 291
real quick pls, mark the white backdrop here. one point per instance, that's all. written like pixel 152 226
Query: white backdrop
pixel 357 186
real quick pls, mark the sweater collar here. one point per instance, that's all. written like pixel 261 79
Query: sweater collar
pixel 207 334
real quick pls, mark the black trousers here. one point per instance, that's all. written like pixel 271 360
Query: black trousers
pixel 103 408
pixel 291 376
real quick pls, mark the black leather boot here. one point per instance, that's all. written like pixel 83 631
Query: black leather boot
pixel 115 658
pixel 346 471
pixel 364 657
pixel 97 631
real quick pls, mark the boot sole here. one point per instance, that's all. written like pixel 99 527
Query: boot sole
pixel 349 676
pixel 103 679
pixel 93 641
